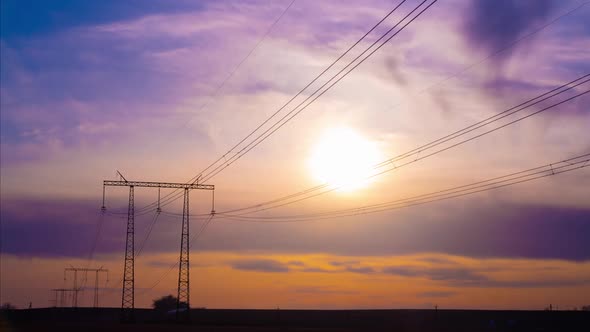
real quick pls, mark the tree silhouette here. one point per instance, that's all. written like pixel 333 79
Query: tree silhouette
pixel 7 306
pixel 166 303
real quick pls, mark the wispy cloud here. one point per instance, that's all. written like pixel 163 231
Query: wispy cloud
pixel 436 294
pixel 494 25
pixel 472 277
pixel 260 265
pixel 323 290
pixel 360 269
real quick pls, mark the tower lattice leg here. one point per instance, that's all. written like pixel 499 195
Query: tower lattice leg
pixel 183 300
pixel 128 296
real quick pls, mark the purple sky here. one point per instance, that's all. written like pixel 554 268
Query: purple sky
pixel 88 88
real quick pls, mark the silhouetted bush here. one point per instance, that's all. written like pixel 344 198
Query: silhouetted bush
pixel 166 303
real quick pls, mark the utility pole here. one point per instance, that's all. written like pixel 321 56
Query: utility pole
pixel 86 270
pixel 128 292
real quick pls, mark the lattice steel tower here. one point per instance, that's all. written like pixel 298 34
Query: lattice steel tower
pixel 128 294
pixel 183 299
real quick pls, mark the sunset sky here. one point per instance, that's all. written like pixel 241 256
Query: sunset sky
pixel 160 89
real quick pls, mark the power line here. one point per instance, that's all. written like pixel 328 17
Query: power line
pixel 294 112
pixel 166 199
pixel 436 152
pixel 493 54
pixel 272 129
pixel 531 174
pixel 416 151
pixel 287 103
pixel 304 88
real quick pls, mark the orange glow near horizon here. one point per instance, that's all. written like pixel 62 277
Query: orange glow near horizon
pixel 326 281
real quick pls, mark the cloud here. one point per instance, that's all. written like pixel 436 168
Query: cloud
pixel 296 263
pixel 323 290
pixel 318 270
pixel 120 88
pixel 437 260
pixel 260 265
pixel 491 229
pixel 361 269
pixel 498 230
pixel 473 277
pixel 436 294
pixel 491 25
pixel 68 227
pixel 47 228
pixel 395 70
pixel 344 263
pixel 453 275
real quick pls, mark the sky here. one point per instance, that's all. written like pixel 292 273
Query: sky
pixel 89 88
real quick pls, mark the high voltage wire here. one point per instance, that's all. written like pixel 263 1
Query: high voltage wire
pixel 382 206
pixel 531 174
pixel 513 43
pixel 416 151
pixel 294 97
pixel 294 112
pixel 531 102
pixel 209 175
pixel 431 154
pixel 244 151
pixel 495 53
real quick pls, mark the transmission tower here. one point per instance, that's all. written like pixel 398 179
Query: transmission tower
pixel 86 270
pixel 128 293
pixel 62 295
pixel 75 289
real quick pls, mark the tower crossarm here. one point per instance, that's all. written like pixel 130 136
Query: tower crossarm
pixel 83 269
pixel 159 184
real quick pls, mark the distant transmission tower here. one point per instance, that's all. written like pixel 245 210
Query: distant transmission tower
pixel 62 296
pixel 128 293
pixel 86 270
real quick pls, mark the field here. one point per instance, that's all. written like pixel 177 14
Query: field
pixel 221 320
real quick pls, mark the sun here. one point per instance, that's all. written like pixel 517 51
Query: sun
pixel 344 159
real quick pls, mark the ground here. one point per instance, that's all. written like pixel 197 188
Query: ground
pixel 222 320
